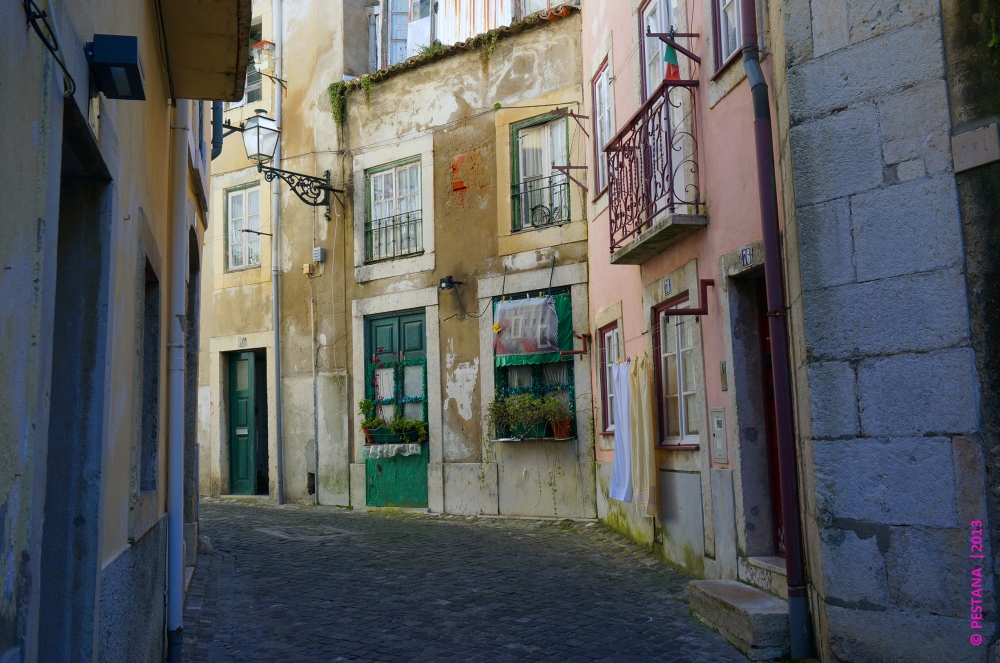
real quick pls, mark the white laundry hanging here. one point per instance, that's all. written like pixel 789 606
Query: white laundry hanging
pixel 621 475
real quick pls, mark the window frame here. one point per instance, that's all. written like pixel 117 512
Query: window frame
pixel 684 440
pixel 600 156
pixel 641 19
pixel 226 193
pixel 607 389
pixel 244 100
pixel 515 167
pixel 370 209
pixel 722 62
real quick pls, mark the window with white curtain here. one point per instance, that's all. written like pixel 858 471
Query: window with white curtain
pixel 728 29
pixel 611 353
pixel 243 214
pixel 604 123
pixel 394 226
pixel 541 193
pixel 677 385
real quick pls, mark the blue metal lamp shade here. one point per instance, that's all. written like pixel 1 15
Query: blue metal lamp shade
pixel 115 66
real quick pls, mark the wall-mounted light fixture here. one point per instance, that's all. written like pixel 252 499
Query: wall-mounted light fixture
pixel 115 66
pixel 260 139
pixel 447 283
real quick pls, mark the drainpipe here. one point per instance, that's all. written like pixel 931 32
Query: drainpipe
pixel 175 381
pixel 798 601
pixel 218 132
pixel 276 257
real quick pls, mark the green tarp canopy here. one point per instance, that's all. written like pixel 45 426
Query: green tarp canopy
pixel 564 314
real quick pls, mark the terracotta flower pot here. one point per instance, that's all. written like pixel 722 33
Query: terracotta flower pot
pixel 369 438
pixel 560 429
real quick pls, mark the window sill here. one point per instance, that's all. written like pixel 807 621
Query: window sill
pixel 529 229
pixel 235 270
pixel 534 439
pixel 404 256
pixel 607 433
pixel 679 447
pixel 726 65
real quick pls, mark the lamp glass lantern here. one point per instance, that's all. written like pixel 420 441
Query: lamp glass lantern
pixel 260 138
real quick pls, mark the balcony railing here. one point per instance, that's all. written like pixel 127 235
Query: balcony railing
pixel 394 236
pixel 540 201
pixel 653 162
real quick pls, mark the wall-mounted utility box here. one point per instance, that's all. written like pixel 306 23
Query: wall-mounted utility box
pixel 115 66
pixel 720 447
pixel 319 254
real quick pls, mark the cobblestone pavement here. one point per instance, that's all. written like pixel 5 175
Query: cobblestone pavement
pixel 298 584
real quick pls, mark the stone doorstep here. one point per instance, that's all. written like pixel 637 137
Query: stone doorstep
pixel 766 572
pixel 754 621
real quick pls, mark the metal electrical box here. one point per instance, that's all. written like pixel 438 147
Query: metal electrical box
pixel 720 447
pixel 319 254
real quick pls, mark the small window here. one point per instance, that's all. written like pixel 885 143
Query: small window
pixel 532 6
pixel 658 16
pixel 727 30
pixel 253 91
pixel 399 19
pixel 540 193
pixel 611 353
pixel 243 222
pixel 604 124
pixel 394 226
pixel 680 407
pixel 150 367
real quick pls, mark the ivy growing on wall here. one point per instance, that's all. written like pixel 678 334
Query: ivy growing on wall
pixel 338 102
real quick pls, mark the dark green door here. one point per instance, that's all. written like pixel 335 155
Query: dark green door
pixel 242 424
pixel 395 345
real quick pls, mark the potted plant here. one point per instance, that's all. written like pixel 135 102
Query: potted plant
pixel 517 416
pixel 408 430
pixel 556 412
pixel 370 422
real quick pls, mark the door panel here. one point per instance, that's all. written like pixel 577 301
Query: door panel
pixel 242 424
pixel 397 378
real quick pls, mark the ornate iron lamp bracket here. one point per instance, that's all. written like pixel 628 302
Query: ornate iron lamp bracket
pixel 313 191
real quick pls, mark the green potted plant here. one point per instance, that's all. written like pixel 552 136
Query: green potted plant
pixel 517 416
pixel 408 430
pixel 556 412
pixel 370 422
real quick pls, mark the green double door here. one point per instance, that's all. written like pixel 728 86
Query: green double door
pixel 396 379
pixel 247 424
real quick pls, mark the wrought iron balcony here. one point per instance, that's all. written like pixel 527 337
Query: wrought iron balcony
pixel 540 201
pixel 653 175
pixel 394 236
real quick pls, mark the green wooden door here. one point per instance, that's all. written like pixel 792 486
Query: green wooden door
pixel 395 345
pixel 242 424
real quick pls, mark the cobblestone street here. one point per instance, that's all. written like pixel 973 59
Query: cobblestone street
pixel 296 583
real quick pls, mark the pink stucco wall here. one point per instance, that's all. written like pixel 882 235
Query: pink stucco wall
pixel 728 183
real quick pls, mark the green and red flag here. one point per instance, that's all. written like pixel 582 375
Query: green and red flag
pixel 672 70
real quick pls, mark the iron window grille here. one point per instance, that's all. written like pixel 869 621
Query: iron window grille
pixel 539 193
pixel 394 223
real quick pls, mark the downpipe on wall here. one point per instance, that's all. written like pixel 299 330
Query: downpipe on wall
pixel 798 599
pixel 275 260
pixel 175 381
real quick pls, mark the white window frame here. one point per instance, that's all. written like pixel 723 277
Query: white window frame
pixel 604 122
pixel 259 85
pixel 394 15
pixel 658 16
pixel 236 225
pixel 688 393
pixel 729 25
pixel 549 178
pixel 612 346
pixel 412 240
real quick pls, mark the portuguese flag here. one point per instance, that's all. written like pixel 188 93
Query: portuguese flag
pixel 672 70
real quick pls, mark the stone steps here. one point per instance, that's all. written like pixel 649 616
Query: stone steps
pixel 753 620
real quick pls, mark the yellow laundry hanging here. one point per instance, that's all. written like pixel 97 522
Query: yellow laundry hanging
pixel 643 437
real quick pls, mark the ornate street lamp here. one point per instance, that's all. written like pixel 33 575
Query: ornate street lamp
pixel 260 138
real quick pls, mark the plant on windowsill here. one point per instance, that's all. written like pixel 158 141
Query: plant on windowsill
pixel 556 412
pixel 413 431
pixel 370 422
pixel 516 417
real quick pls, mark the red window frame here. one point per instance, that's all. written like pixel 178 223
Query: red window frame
pixel 599 149
pixel 603 375
pixel 661 415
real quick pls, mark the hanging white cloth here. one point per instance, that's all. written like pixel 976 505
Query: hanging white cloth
pixel 621 475
pixel 641 431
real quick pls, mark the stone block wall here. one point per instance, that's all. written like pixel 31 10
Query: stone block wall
pixel 892 469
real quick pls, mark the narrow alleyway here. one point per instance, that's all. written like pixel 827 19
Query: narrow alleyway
pixel 295 584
